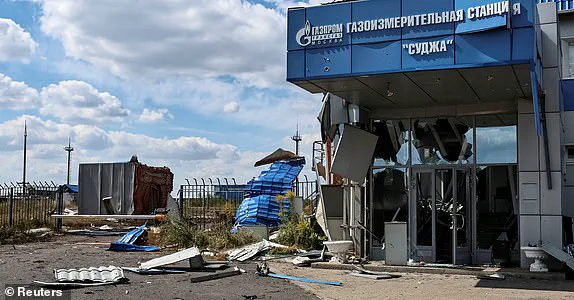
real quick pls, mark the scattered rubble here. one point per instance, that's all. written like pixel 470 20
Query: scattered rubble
pixel 128 241
pixel 235 271
pixel 153 271
pixel 191 254
pixel 263 270
pixel 247 252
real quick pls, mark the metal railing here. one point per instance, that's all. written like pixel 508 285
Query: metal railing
pixel 208 202
pixel 561 4
pixel 31 204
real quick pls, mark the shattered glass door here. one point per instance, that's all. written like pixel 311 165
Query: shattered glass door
pixel 423 216
pixel 440 210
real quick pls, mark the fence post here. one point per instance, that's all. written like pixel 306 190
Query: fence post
pixel 59 208
pixel 181 201
pixel 10 214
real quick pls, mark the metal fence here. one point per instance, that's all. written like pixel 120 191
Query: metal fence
pixel 208 202
pixel 32 204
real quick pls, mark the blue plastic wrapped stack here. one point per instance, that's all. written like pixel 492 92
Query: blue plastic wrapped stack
pixel 260 206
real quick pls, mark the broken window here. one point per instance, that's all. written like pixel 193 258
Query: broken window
pixel 497 206
pixel 390 199
pixel 443 141
pixel 393 143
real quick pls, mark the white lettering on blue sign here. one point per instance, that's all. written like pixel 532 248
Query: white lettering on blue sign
pixel 426 48
pixel 489 10
pixel 317 35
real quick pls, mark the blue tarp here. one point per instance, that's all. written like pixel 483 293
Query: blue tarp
pixel 126 242
pixel 69 188
pixel 260 206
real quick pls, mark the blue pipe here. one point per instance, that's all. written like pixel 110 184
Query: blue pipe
pixel 304 279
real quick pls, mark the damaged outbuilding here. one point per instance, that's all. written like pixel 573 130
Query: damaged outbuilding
pixel 124 188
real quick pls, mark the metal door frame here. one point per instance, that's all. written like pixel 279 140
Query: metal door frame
pixel 469 211
pixel 413 213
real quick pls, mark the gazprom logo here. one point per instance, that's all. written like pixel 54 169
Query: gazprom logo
pixel 319 35
pixel 304 35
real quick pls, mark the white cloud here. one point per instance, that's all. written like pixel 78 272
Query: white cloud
pixel 182 148
pixel 16 95
pixel 15 43
pixel 92 144
pixel 42 133
pixel 285 4
pixel 200 55
pixel 79 102
pixel 186 156
pixel 200 38
pixel 231 107
pixel 155 115
pixel 209 97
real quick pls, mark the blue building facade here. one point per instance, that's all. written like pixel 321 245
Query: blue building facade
pixel 470 101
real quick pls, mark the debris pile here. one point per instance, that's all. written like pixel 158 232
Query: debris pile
pixel 260 206
pixel 247 252
pixel 263 270
pixel 128 242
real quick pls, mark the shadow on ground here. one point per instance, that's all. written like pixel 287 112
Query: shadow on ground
pixel 527 284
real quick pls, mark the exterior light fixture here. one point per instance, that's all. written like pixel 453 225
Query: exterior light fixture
pixel 389 92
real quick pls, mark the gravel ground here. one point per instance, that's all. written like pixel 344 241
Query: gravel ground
pixel 426 286
pixel 22 264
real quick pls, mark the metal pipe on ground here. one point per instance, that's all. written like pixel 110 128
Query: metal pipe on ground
pixel 127 217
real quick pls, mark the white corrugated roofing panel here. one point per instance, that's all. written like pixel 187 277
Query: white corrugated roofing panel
pixel 92 274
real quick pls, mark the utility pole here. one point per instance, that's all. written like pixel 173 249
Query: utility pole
pixel 297 138
pixel 24 170
pixel 69 149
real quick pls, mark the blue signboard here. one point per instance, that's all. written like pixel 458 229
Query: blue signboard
pixel 386 36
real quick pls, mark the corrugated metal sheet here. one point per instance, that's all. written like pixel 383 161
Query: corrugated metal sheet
pixel 97 181
pixel 171 258
pixel 92 274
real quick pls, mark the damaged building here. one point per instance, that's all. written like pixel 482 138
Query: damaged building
pixel 453 129
pixel 127 188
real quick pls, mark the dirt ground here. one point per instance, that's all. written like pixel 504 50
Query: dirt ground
pixel 426 286
pixel 22 264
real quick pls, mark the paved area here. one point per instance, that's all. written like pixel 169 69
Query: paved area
pixel 426 286
pixel 22 264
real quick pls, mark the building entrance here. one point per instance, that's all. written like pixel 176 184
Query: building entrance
pixel 440 214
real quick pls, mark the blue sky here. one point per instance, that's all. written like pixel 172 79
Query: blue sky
pixel 193 85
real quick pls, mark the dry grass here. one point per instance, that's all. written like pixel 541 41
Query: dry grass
pixel 296 231
pixel 217 238
pixel 20 233
pixel 34 210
